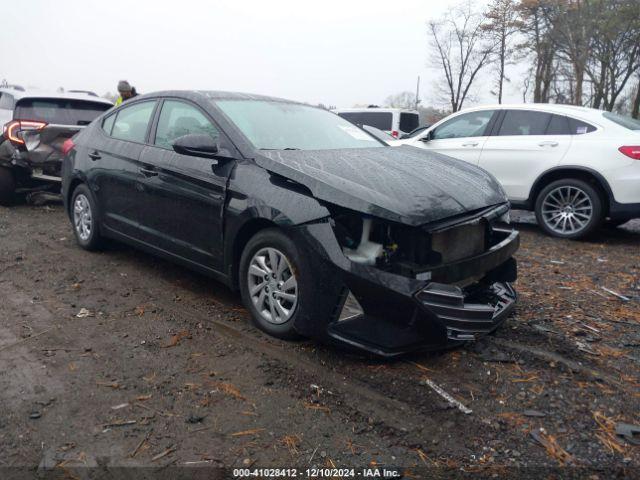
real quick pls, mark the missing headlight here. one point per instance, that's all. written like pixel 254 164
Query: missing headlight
pixel 406 250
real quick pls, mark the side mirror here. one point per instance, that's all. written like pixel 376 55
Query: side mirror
pixel 428 137
pixel 197 145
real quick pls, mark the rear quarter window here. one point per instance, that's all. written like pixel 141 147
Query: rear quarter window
pixel 380 120
pixel 60 111
pixel 578 127
pixel 409 122
pixel 561 125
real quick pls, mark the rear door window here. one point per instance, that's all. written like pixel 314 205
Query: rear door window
pixel 132 122
pixel 472 124
pixel 380 120
pixel 178 119
pixel 409 121
pixel 59 111
pixel 524 122
pixel 559 125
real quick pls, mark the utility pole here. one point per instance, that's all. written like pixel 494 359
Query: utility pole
pixel 417 93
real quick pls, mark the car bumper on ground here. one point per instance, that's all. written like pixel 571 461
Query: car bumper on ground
pixel 388 314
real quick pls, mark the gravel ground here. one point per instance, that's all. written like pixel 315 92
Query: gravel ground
pixel 118 358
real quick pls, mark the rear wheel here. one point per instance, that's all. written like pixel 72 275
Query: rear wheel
pixel 569 208
pixel 84 215
pixel 7 186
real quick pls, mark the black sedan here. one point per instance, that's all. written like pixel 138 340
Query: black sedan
pixel 327 232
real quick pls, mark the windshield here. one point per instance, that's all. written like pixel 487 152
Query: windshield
pixel 627 122
pixel 60 111
pixel 281 126
pixel 416 131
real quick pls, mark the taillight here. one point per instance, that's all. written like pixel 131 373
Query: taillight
pixel 394 134
pixel 67 146
pixel 12 129
pixel 631 152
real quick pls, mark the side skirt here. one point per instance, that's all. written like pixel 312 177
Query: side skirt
pixel 134 242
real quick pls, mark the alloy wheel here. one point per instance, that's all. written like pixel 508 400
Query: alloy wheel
pixel 567 209
pixel 272 285
pixel 82 218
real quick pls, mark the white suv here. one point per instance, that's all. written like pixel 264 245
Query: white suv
pixel 573 166
pixel 394 121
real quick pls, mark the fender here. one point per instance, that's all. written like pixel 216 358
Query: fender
pixel 601 180
pixel 256 199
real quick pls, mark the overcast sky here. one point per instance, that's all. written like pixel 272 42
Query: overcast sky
pixel 336 52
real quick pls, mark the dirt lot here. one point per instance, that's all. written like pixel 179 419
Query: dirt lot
pixel 118 358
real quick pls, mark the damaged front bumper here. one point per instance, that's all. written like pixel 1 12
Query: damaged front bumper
pixel 395 314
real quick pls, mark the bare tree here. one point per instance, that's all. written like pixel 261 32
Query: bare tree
pixel 503 23
pixel 538 41
pixel 460 51
pixel 635 110
pixel 572 32
pixel 615 49
pixel 405 100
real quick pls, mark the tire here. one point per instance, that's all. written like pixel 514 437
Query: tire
pixel 569 208
pixel 84 218
pixel 7 186
pixel 261 251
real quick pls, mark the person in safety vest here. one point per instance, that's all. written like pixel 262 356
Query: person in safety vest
pixel 126 92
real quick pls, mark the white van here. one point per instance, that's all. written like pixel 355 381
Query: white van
pixel 394 121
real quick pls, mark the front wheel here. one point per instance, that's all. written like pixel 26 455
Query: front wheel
pixel 569 208
pixel 272 283
pixel 84 215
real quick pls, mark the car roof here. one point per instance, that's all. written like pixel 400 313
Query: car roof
pixel 375 109
pixel 543 107
pixel 34 93
pixel 215 95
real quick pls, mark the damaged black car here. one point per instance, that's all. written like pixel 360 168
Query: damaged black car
pixel 35 127
pixel 326 231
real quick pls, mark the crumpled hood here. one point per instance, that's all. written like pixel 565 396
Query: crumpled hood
pixel 403 184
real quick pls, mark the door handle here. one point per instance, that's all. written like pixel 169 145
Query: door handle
pixel 148 171
pixel 95 155
pixel 548 144
pixel 470 144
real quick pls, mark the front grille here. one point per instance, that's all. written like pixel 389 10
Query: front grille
pixel 466 315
